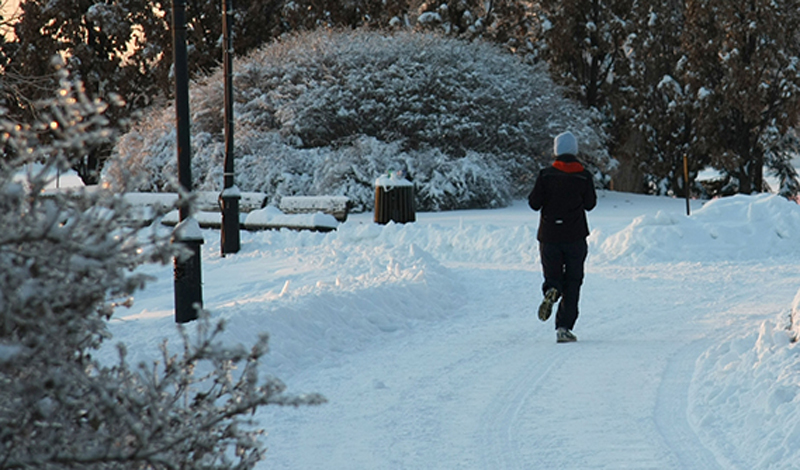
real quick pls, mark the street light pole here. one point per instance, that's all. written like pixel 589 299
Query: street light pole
pixel 188 286
pixel 229 199
pixel 686 187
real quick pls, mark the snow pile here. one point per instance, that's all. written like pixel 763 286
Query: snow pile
pixel 738 227
pixel 463 243
pixel 795 318
pixel 324 296
pixel 750 384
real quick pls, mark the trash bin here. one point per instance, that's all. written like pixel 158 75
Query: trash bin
pixel 394 199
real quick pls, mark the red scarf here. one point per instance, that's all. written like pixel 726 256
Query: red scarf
pixel 568 167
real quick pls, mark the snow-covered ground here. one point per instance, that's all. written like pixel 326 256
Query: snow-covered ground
pixel 425 341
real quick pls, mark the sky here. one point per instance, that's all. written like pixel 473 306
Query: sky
pixel 8 7
pixel 425 341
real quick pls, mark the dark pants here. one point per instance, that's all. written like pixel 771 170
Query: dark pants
pixel 562 264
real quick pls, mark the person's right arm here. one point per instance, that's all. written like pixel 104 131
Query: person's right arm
pixel 536 197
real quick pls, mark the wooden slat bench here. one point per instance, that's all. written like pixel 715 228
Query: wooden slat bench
pixel 337 206
pixel 317 213
pixel 320 213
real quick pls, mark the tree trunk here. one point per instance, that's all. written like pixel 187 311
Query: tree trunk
pixel 628 175
pixel 758 170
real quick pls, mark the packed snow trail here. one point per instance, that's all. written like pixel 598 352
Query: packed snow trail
pixel 492 389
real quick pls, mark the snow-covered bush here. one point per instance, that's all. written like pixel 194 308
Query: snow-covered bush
pixel 66 262
pixel 328 112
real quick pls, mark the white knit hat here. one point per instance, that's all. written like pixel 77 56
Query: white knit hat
pixel 565 144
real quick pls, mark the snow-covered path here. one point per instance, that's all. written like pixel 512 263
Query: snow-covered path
pixel 425 341
pixel 492 389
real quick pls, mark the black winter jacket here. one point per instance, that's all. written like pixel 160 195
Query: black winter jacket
pixel 563 193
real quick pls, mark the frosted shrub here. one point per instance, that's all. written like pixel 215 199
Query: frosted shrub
pixel 329 112
pixel 66 263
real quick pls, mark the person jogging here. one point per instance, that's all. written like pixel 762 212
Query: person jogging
pixel 562 194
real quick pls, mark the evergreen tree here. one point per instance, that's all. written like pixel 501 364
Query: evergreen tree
pixel 506 22
pixel 307 15
pixel 659 125
pixel 583 43
pixel 741 71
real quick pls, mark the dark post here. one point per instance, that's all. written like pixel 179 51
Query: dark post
pixel 229 199
pixel 688 190
pixel 188 287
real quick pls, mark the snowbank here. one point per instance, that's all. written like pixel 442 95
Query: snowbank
pixel 746 385
pixel 732 228
pixel 318 295
pixel 795 318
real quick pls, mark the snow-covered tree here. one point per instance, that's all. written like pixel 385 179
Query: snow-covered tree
pixel 508 23
pixel 741 71
pixel 588 45
pixel 657 121
pixel 100 43
pixel 583 41
pixel 711 79
pixel 329 112
pixel 66 262
pixel 120 50
pixel 303 15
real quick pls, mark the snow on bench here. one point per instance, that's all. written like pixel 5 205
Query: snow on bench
pixel 320 213
pixel 271 218
pixel 268 218
pixel 337 206
pixel 207 206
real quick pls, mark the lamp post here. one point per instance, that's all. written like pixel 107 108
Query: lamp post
pixel 188 287
pixel 686 187
pixel 229 199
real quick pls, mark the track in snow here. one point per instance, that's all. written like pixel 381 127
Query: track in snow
pixel 490 388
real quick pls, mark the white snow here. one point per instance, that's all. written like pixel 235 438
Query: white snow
pixel 429 17
pixel 703 93
pixel 8 351
pixel 425 341
pixel 392 180
pixel 188 229
pixel 271 216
